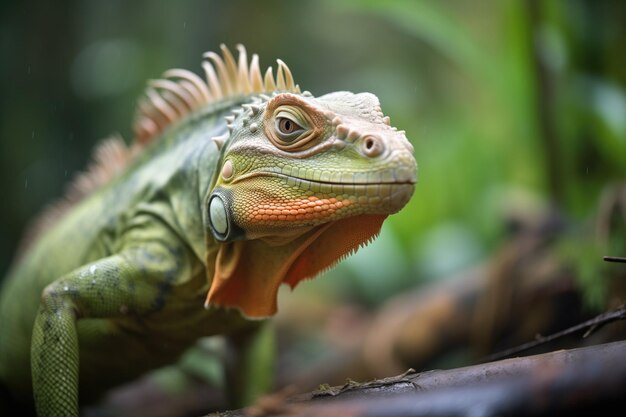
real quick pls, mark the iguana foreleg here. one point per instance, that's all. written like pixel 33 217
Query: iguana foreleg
pixel 126 283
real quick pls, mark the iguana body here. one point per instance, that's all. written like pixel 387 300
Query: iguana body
pixel 115 286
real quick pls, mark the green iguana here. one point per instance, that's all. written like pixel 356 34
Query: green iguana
pixel 233 186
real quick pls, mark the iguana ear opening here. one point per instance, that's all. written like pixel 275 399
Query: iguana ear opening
pixel 221 222
pixel 248 273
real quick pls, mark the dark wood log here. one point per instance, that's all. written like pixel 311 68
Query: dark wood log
pixel 567 382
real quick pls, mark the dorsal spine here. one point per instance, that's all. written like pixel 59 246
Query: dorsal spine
pixel 181 91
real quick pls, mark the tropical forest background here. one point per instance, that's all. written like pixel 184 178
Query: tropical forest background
pixel 516 110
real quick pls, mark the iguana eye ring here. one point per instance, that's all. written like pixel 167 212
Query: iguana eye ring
pixel 292 124
pixel 287 129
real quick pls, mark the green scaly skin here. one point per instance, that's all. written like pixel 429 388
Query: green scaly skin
pixel 118 284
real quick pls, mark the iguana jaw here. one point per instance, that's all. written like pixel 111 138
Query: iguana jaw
pixel 372 197
pixel 312 203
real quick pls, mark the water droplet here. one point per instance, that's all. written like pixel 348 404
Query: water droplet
pixel 93 269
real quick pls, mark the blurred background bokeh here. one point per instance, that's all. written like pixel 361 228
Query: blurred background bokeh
pixel 516 109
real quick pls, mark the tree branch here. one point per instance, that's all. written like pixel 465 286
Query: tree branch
pixel 615 259
pixel 591 325
pixel 579 380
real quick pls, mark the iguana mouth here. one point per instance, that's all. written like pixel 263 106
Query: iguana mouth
pixel 386 196
pixel 399 178
pixel 380 197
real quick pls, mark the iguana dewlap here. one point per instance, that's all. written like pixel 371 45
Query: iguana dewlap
pixel 235 184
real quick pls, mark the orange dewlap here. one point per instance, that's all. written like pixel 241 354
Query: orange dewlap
pixel 248 273
pixel 311 208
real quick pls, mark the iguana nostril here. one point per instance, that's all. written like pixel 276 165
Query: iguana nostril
pixel 372 146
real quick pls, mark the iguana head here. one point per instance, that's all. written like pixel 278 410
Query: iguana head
pixel 302 181
pixel 293 162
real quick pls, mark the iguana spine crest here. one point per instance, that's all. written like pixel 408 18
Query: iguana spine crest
pixel 181 91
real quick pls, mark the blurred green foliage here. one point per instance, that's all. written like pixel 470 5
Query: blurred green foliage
pixel 513 106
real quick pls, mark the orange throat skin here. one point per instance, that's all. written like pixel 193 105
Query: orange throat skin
pixel 310 208
pixel 248 273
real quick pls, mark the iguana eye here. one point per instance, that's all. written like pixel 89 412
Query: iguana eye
pixel 286 127
pixel 292 124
